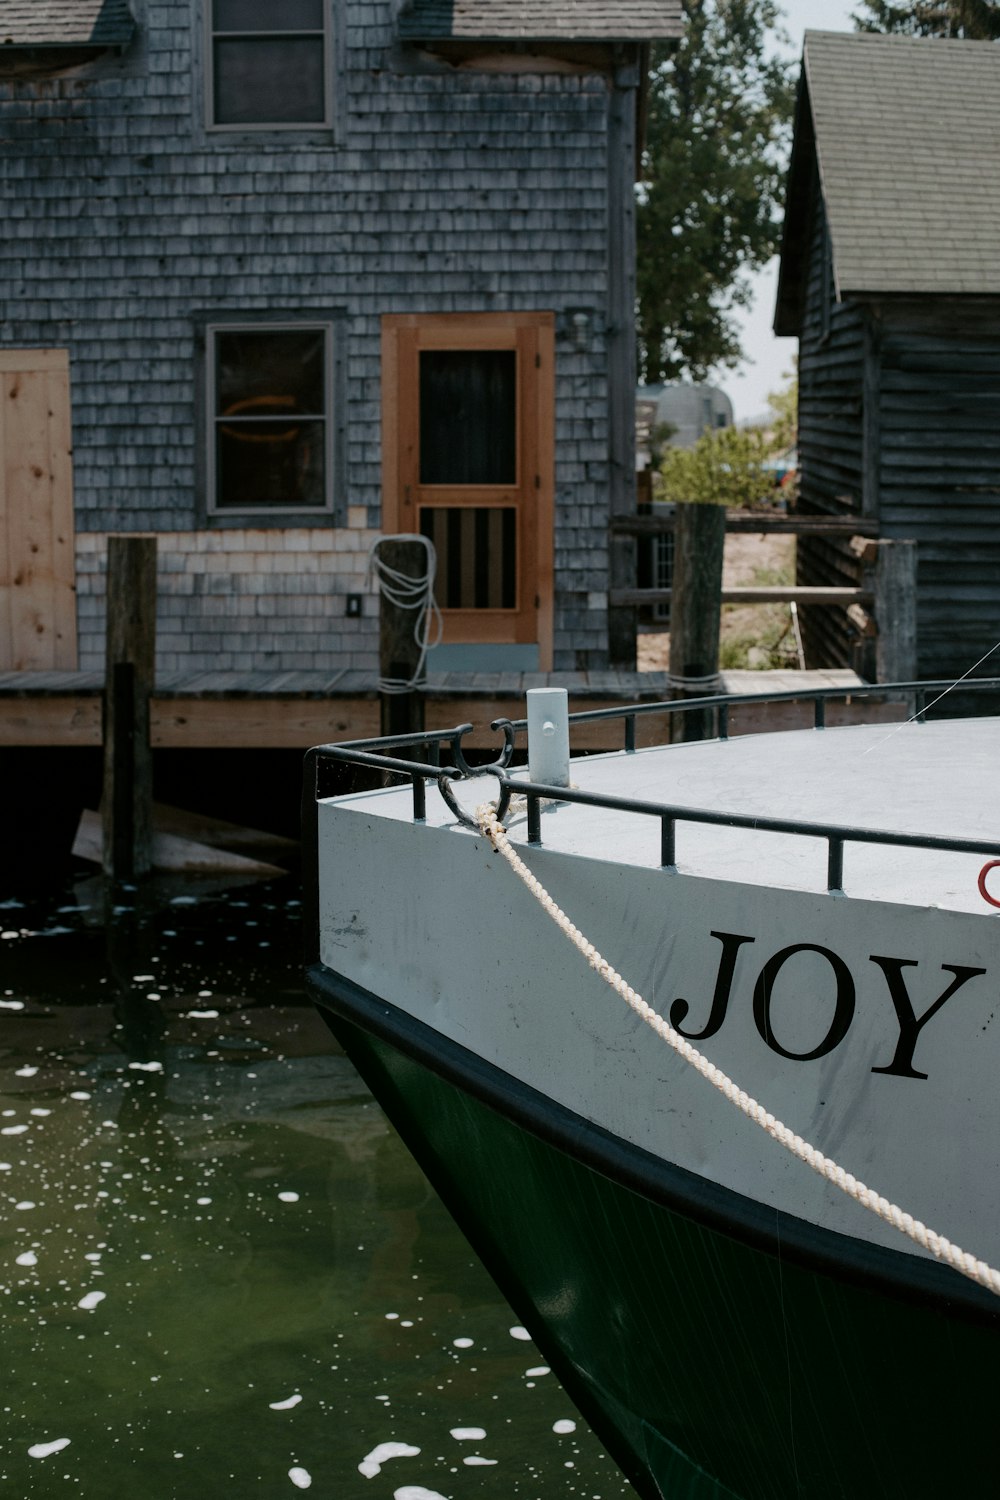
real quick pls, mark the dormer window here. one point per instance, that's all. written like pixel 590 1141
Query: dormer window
pixel 269 64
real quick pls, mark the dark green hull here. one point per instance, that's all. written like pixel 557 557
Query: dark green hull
pixel 711 1360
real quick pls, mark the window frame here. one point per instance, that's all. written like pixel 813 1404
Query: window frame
pixel 333 511
pixel 258 127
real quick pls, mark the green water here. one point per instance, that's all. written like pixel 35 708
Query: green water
pixel 222 1274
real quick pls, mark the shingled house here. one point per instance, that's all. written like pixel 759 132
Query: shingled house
pixel 286 275
pixel 890 278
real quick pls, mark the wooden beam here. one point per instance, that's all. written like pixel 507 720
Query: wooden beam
pixel 278 723
pixel 896 612
pixel 753 523
pixel 793 594
pixel 73 720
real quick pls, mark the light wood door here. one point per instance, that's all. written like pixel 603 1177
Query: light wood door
pixel 37 561
pixel 467 446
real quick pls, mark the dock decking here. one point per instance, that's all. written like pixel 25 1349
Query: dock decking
pixel 293 710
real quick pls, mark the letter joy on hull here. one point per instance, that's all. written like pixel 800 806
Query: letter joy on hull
pixel 908 1022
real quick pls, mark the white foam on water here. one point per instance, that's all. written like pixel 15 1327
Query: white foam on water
pixel 27 1258
pixel 285 1405
pixel 5 1166
pixel 468 1434
pixel 536 1371
pixel 474 1462
pixel 26 1203
pixel 12 1004
pixel 91 1300
pixel 42 1450
pixel 289 1197
pixel 415 1492
pixel 79 1094
pixel 13 1130
pixel 372 1463
pixel 301 1478
pixel 10 934
pixel 183 901
pixel 520 1333
pixel 564 1425
pixel 41 1111
pixel 391 1317
pixel 143 978
pixel 150 1067
pixel 463 1343
pixel 201 1202
pixel 26 1072
pixel 203 1015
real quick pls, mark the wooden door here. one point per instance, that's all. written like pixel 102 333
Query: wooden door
pixel 37 560
pixel 467 444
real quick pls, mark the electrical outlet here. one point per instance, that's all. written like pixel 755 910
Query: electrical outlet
pixel 353 610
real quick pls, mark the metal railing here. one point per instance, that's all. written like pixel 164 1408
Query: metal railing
pixel 374 754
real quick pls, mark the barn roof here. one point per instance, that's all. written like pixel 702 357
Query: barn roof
pixel 541 20
pixel 65 23
pixel 906 136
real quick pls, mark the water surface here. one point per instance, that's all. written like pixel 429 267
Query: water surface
pixel 222 1273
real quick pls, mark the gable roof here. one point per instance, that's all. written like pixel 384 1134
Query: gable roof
pixel 541 20
pixel 906 134
pixel 65 23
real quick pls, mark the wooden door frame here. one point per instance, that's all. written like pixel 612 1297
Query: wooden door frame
pixel 482 330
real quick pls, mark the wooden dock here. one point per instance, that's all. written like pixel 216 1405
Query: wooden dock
pixel 293 710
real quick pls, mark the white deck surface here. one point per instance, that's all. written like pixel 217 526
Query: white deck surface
pixel 939 779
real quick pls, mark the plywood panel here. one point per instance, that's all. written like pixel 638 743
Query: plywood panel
pixel 37 567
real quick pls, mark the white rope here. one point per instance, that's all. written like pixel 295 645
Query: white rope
pixel 406 592
pixel 943 1249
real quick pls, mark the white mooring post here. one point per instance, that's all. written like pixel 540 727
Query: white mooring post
pixel 548 736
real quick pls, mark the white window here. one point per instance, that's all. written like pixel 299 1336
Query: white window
pixel 269 421
pixel 269 64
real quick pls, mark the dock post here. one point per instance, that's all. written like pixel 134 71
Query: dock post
pixel 402 712
pixel 896 611
pixel 695 611
pixel 127 803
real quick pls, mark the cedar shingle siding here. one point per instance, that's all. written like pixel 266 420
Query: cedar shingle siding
pixel 128 224
pixel 897 310
pixel 61 23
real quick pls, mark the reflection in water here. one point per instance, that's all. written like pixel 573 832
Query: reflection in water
pixel 220 1269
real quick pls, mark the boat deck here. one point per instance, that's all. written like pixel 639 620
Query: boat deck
pixel 935 779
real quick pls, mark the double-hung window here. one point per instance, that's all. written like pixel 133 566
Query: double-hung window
pixel 269 64
pixel 269 419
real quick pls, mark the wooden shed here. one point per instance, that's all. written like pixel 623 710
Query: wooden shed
pixel 890 279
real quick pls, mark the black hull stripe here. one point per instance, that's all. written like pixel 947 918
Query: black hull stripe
pixel 873 1267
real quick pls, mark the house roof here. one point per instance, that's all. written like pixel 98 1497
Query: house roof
pixel 541 20
pixel 906 134
pixel 65 23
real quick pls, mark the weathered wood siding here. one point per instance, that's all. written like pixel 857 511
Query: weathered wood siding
pixel 831 446
pixel 438 189
pixel 939 472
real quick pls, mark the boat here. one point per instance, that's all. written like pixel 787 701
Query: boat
pixel 700 1044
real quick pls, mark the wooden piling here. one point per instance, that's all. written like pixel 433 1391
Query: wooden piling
pixel 896 611
pixel 399 649
pixel 695 610
pixel 127 803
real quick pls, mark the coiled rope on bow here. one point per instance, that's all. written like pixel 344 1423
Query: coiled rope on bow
pixel 412 593
pixel 943 1249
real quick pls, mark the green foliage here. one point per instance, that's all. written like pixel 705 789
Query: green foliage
pixel 784 427
pixel 977 20
pixel 726 466
pixel 718 126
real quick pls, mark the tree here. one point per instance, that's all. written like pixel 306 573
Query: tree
pixel 719 114
pixel 976 20
pixel 726 466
